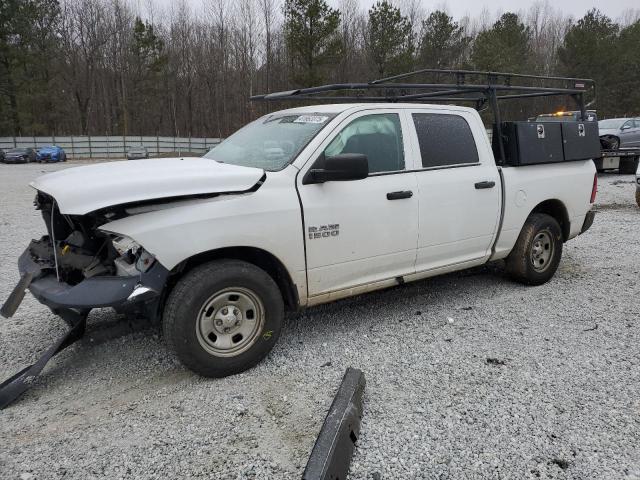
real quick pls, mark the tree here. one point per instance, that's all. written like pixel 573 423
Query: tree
pixel 504 47
pixel 626 95
pixel 443 42
pixel 27 43
pixel 389 39
pixel 587 52
pixel 311 34
pixel 149 61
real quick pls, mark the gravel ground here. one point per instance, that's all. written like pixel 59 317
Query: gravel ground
pixel 468 376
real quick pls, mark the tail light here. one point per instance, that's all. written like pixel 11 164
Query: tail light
pixel 594 190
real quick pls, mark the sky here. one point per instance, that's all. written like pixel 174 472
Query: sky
pixel 460 8
pixel 575 8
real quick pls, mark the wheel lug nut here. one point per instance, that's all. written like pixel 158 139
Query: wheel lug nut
pixel 227 330
pixel 218 322
pixel 225 311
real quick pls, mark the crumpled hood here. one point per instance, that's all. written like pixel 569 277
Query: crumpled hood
pixel 81 190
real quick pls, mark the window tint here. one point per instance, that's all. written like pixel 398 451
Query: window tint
pixel 379 137
pixel 628 124
pixel 444 140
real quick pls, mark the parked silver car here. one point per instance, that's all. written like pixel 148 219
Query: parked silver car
pixel 620 132
pixel 137 152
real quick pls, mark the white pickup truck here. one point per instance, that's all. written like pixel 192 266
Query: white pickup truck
pixel 300 207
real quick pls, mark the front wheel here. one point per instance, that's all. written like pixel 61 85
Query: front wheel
pixel 223 317
pixel 537 252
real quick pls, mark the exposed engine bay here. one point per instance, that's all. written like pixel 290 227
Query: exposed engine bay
pixel 82 251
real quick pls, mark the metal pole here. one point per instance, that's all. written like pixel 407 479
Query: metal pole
pixel 496 117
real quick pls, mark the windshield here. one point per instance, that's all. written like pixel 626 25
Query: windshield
pixel 271 142
pixel 611 123
pixel 18 151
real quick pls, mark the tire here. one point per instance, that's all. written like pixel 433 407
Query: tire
pixel 638 196
pixel 223 317
pixel 541 233
pixel 628 166
pixel 613 143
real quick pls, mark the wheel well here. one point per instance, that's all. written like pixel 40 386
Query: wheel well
pixel 557 210
pixel 258 257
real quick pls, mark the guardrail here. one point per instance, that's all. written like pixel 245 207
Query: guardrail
pixel 113 146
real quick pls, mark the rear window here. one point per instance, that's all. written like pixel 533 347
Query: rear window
pixel 444 140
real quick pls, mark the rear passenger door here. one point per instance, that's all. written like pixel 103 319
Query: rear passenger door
pixel 459 189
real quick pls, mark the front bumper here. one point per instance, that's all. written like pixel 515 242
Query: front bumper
pixel 95 292
pixel 15 160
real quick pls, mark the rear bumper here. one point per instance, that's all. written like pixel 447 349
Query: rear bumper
pixel 101 291
pixel 588 221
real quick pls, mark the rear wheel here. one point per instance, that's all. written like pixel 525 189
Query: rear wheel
pixel 613 143
pixel 223 317
pixel 628 166
pixel 537 252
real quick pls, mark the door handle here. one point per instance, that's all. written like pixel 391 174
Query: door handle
pixel 485 184
pixel 399 195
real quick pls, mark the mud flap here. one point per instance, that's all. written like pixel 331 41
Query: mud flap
pixel 15 386
pixel 17 295
pixel 331 455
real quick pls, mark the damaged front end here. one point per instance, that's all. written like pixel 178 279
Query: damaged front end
pixel 77 267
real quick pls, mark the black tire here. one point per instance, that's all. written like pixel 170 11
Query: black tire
pixel 541 233
pixel 628 166
pixel 638 196
pixel 188 307
pixel 613 143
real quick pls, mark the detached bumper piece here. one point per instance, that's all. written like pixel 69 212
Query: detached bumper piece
pixel 332 452
pixel 73 303
pixel 15 386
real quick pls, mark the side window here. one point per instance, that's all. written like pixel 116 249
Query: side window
pixel 378 136
pixel 444 139
pixel 628 124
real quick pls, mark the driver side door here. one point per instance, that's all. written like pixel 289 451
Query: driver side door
pixel 360 233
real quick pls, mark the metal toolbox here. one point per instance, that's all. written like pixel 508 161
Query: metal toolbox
pixel 531 143
pixel 581 140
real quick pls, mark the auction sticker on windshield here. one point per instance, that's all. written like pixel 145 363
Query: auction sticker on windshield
pixel 311 119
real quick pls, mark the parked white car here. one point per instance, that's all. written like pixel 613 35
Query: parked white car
pixel 298 208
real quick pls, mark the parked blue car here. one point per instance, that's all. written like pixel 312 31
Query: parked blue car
pixel 51 154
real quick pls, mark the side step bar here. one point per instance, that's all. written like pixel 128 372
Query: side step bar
pixel 332 452
pixel 15 386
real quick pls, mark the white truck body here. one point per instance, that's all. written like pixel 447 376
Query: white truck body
pixel 335 239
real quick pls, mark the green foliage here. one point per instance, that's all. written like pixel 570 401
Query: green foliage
pixel 626 91
pixel 27 42
pixel 147 47
pixel 588 49
pixel 311 35
pixel 389 39
pixel 505 47
pixel 443 42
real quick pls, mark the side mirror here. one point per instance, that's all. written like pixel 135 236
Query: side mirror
pixel 339 168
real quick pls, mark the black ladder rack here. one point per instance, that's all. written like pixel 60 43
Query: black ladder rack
pixel 477 87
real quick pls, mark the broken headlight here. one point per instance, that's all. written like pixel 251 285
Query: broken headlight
pixel 133 259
